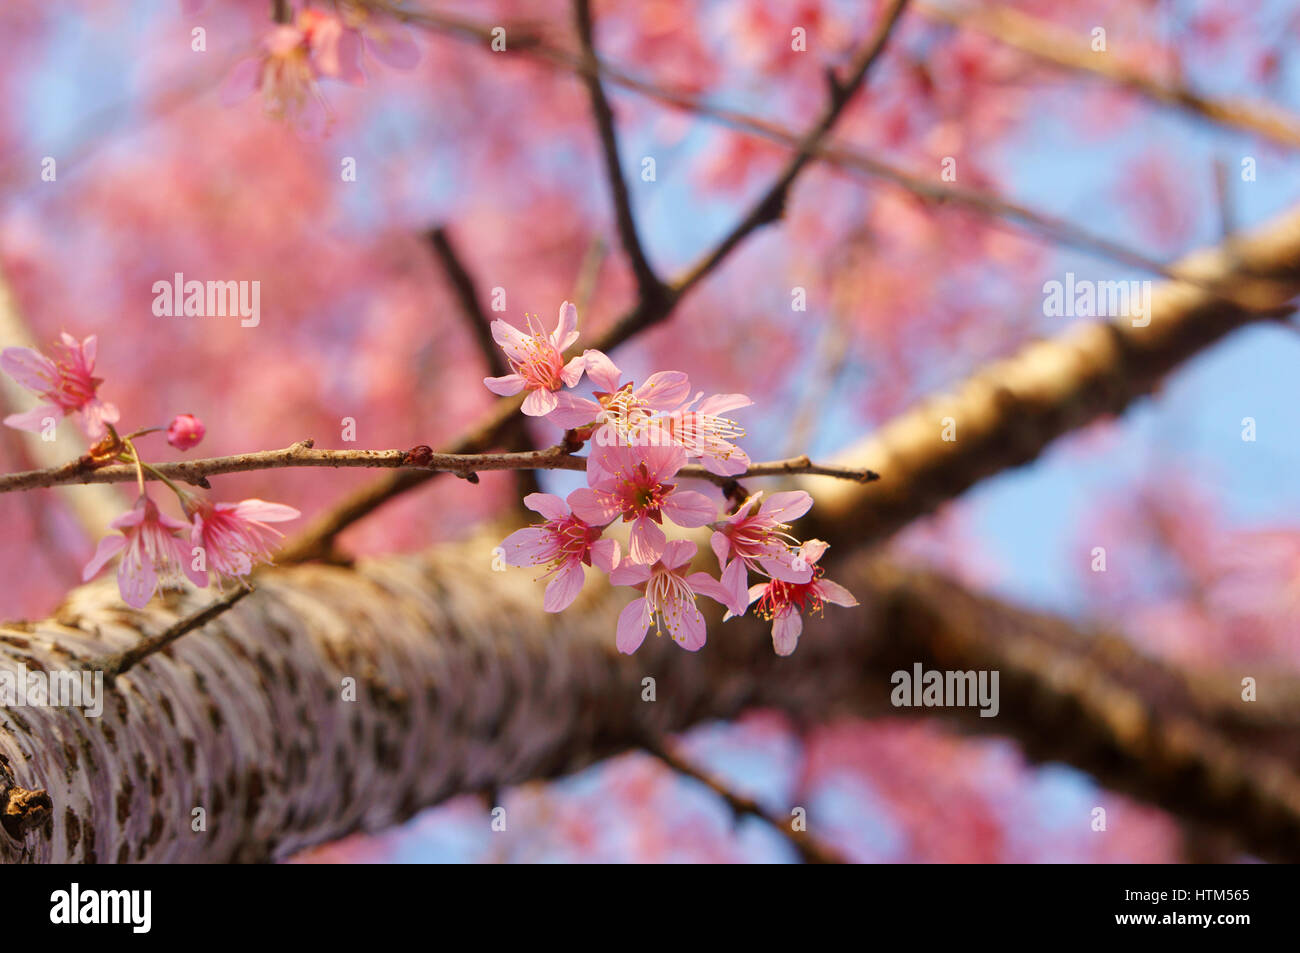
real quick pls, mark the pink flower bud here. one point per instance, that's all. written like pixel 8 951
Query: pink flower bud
pixel 185 431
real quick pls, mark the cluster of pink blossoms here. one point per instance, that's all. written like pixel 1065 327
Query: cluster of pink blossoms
pixel 640 439
pixel 228 539
pixel 318 44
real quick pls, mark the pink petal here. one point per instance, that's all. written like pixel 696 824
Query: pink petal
pixel 506 386
pixel 242 81
pixel 633 622
pixel 646 541
pixel 31 369
pixel 591 507
pixel 689 508
pixel 511 340
pixel 603 372
pixel 566 327
pixel 686 623
pixel 786 507
pixel 605 555
pixel 629 574
pixel 108 547
pixel 136 578
pixel 571 412
pixel 721 403
pixel 678 553
pixel 564 588
pixel 733 464
pixel 572 372
pixel 664 390
pixel 721 547
pixel 547 504
pixel 34 420
pixel 786 566
pixel 539 402
pixel 264 512
pixel 527 546
pixel 785 631
pixel 834 592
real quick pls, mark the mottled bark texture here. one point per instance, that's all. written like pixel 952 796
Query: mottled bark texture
pixel 464 685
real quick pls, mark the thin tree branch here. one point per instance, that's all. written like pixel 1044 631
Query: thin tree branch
pixel 303 454
pixel 649 287
pixel 471 309
pixel 121 662
pixel 810 850
pixel 1072 52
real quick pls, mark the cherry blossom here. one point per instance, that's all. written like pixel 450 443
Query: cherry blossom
pixel 152 553
pixel 668 600
pixel 66 383
pixel 783 603
pixel 564 544
pixel 234 537
pixel 185 431
pixel 537 361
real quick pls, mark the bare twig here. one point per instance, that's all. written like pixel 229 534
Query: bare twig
pixel 465 465
pixel 809 849
pixel 114 665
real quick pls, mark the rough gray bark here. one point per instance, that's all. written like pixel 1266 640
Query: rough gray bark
pixel 464 685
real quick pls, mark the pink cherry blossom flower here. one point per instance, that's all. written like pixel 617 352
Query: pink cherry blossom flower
pixel 707 434
pixel 760 541
pixel 632 482
pixel 537 361
pixel 67 384
pixel 783 603
pixel 234 536
pixel 185 431
pixel 623 408
pixel 668 600
pixel 564 544
pixel 152 553
pixel 284 74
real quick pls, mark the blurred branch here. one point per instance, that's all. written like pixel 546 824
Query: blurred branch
pixel 471 309
pixel 649 287
pixel 1071 51
pixel 84 470
pixel 318 539
pixel 1006 413
pixel 809 849
pixel 480 326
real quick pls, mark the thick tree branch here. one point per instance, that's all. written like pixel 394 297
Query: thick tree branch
pixel 1005 414
pixel 461 683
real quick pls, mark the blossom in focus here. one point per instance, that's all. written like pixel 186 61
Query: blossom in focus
pixel 185 431
pixel 152 553
pixel 66 384
pixel 761 541
pixel 563 544
pixel 783 603
pixel 623 408
pixel 537 361
pixel 632 482
pixel 234 536
pixel 668 599
pixel 705 433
